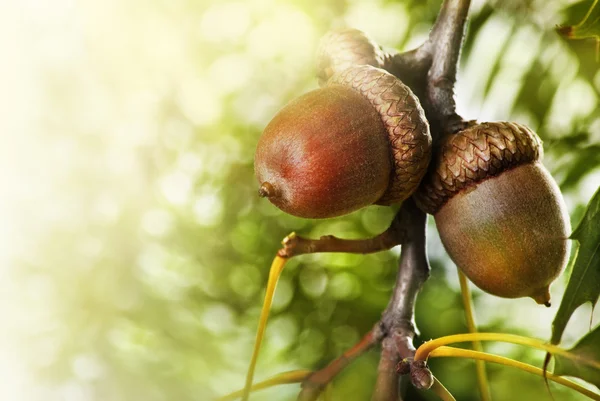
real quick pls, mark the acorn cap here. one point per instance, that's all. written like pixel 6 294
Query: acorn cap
pixel 344 48
pixel 405 122
pixel 472 155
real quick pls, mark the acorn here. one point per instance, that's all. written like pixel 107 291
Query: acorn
pixel 345 48
pixel 499 213
pixel 362 139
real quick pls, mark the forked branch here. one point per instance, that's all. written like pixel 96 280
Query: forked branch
pixel 400 231
pixel 445 41
pixel 398 318
pixel 396 329
pixel 430 70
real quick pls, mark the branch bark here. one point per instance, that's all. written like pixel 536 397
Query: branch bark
pixel 430 70
pixel 398 318
pixel 396 328
pixel 446 40
pixel 294 245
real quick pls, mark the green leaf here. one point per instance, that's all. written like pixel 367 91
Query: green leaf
pixel 586 365
pixel 589 27
pixel 584 284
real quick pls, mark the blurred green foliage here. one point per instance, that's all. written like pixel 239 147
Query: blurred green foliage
pixel 136 249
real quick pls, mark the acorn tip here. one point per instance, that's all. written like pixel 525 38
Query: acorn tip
pixel 542 296
pixel 266 190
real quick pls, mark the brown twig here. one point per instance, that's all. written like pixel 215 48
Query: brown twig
pixel 294 245
pixel 398 318
pixel 430 69
pixel 396 329
pixel 314 384
pixel 387 384
pixel 399 232
pixel 446 40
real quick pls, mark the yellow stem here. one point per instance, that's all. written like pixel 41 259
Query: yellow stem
pixel 587 15
pixel 465 353
pixel 274 273
pixel 482 380
pixel 441 391
pixel 294 376
pixel 425 349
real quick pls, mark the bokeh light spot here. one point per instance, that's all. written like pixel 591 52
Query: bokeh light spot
pixel 218 318
pixel 230 72
pixel 176 187
pixel 76 391
pixel 313 282
pixel 282 331
pixel 157 222
pixel 286 28
pixel 87 367
pixel 225 22
pixel 208 209
pixel 245 280
pixel 344 285
pixel 311 346
pixel 199 102
pixel 386 23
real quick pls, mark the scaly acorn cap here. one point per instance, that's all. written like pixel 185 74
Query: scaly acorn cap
pixel 472 155
pixel 405 122
pixel 363 139
pixel 344 48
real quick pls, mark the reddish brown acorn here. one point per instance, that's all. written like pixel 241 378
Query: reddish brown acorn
pixel 362 139
pixel 500 215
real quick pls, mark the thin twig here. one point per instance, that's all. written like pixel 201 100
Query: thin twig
pixel 396 329
pixel 408 229
pixel 294 245
pixel 314 384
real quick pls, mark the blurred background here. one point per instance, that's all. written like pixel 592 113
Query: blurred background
pixel 133 248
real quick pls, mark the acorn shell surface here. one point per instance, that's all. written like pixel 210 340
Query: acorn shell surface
pixel 325 154
pixel 499 213
pixel 508 234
